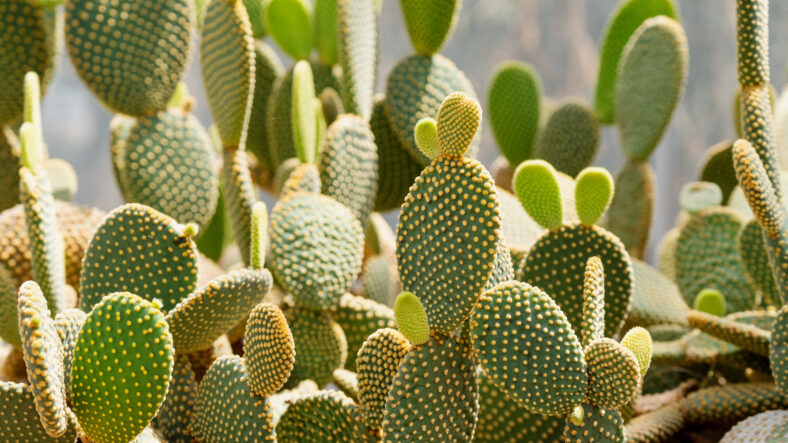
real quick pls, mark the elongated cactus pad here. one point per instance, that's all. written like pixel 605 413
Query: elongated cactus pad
pixel 446 275
pixel 20 420
pixel 320 345
pixel 227 58
pixel 613 373
pixel 536 186
pixel 593 193
pixel 655 299
pixel 592 326
pixel 567 249
pixel 656 426
pixel 241 196
pixel 632 208
pixel 430 24
pixel 359 318
pixel 133 330
pixel 326 31
pixel 321 416
pixel 514 102
pixel 347 382
pixel 419 408
pixel 378 361
pixel 718 168
pixel 43 353
pixel 596 425
pixel 650 83
pixel 758 427
pixel 267 68
pixel 357 37
pixel 752 42
pixel 756 259
pixel 175 413
pixel 759 130
pixel 9 168
pixel 226 409
pixel 131 76
pixel 68 324
pixel 778 349
pixel 570 138
pixel 546 385
pixel 124 246
pixel 290 24
pixel 302 110
pixel 748 337
pixel 269 349
pixel 730 402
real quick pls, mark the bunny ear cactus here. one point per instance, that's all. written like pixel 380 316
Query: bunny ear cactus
pixel 357 37
pixel 267 68
pixel 430 24
pixel 592 326
pixel 269 349
pixel 174 415
pixel 746 336
pixel 378 361
pixel 321 416
pixel 710 301
pixel 68 324
pixel 718 168
pixel 655 299
pixel 632 208
pixel 359 318
pixel 570 138
pixel 290 24
pixel 20 420
pixel 613 374
pixel 756 259
pixel 591 423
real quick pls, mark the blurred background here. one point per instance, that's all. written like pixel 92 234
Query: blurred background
pixel 559 38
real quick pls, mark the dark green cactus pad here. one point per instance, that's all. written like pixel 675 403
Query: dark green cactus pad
pixel 43 354
pixel 359 318
pixel 202 317
pixel 666 253
pixel 28 42
pixel 320 345
pixel 514 102
pixel 378 361
pixel 745 336
pixel 429 24
pixel 331 105
pixel 756 259
pixel 731 402
pixel 759 129
pixel 357 37
pixel 603 425
pixel 240 195
pixel 9 323
pixel 717 167
pixel 415 89
pixel 567 250
pixel 226 409
pixel 19 420
pixel 707 256
pixel 267 68
pixel 139 250
pixel 326 31
pixel 752 42
pixel 141 74
pixel 347 382
pixel 9 168
pixel 217 234
pixel 570 138
pixel 503 270
pixel 592 326
pixel 501 420
pixel 545 385
pixel 446 274
pixel 68 324
pixel 47 244
pixel 168 164
pixel 106 395
pixel 269 349
pixel 656 426
pixel 316 249
pixel 378 280
pixel 303 178
pixel 655 300
pixel 759 428
pixel 613 374
pixel 418 408
pixel 778 349
pixel 349 165
pixel 397 169
pixel 324 416
pixel 227 58
pixel 255 11
pixel 175 413
pixel 631 211
pixel 618 30
pixel 290 24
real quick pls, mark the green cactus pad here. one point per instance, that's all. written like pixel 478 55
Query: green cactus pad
pixel 666 257
pixel 567 250
pixel 303 178
pixel 168 164
pixel 718 168
pixel 315 268
pixel 132 330
pixel 457 124
pixel 43 354
pixel 240 195
pixel 604 425
pixel 429 24
pixel 357 37
pixel 267 68
pixel 446 274
pixel 347 382
pixel 503 270
pixel 631 210
pixel 613 374
pixel 710 301
pixel 748 337
pixel 426 135
pixel 320 345
pixel 20 421
pixel 227 58
pixel 697 196
pixel 752 42
pixel 593 193
pixel 325 416
pixel 778 349
pixel 536 186
pixel 68 324
pixel 378 361
pixel 756 259
pixel 655 299
pixel 397 170
pixel 359 318
pixel 415 89
pixel 411 318
pixel 326 31
pixel 417 408
pixel 707 256
pixel 349 165
pixel 269 349
pixel 592 325
pixel 379 279
pixel 9 169
pixel 656 426
pixel 731 402
pixel 130 76
pixel 331 105
pixel 651 78
pixel 149 250
pixel 570 137
pixel 302 110
pixel 202 317
pixel 638 340
pixel 546 385
pixel 758 427
pixel 226 409
pixel 290 24
pixel 9 323
pixel 175 413
pixel 759 129
pixel 514 102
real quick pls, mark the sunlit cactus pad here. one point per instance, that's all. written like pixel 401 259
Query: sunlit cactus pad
pixel 20 420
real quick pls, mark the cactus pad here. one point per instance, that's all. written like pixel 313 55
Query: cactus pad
pixel 9 169
pixel 426 135
pixel 752 35
pixel 655 299
pixel 632 208
pixel 756 259
pixel 321 416
pixel 536 186
pixel 269 349
pixel 419 408
pixel 359 318
pixel 697 196
pixel 320 345
pixel 778 349
pixel 570 138
pixel 379 279
pixel 108 396
pixel 758 427
pixel 226 409
pixel 592 326
pixel 290 24
pixel 732 401
pixel 567 250
pixel 650 83
pixel 142 245
pixel 357 37
pixel 20 421
pixel 347 382
pixel 133 76
pixel 316 249
pixel 267 68
pixel 458 122
pixel 303 178
pixel 302 112
pixel 68 324
pixel 604 425
pixel 718 168
pixel 638 340
pixel 546 385
pixel 593 192
pixel 411 318
pixel 748 337
pixel 430 24
pixel 613 374
pixel 240 195
pixel 175 413
pixel 378 361
pixel 710 301
pixel 446 274
pixel 759 129
pixel 326 31
pixel 656 426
